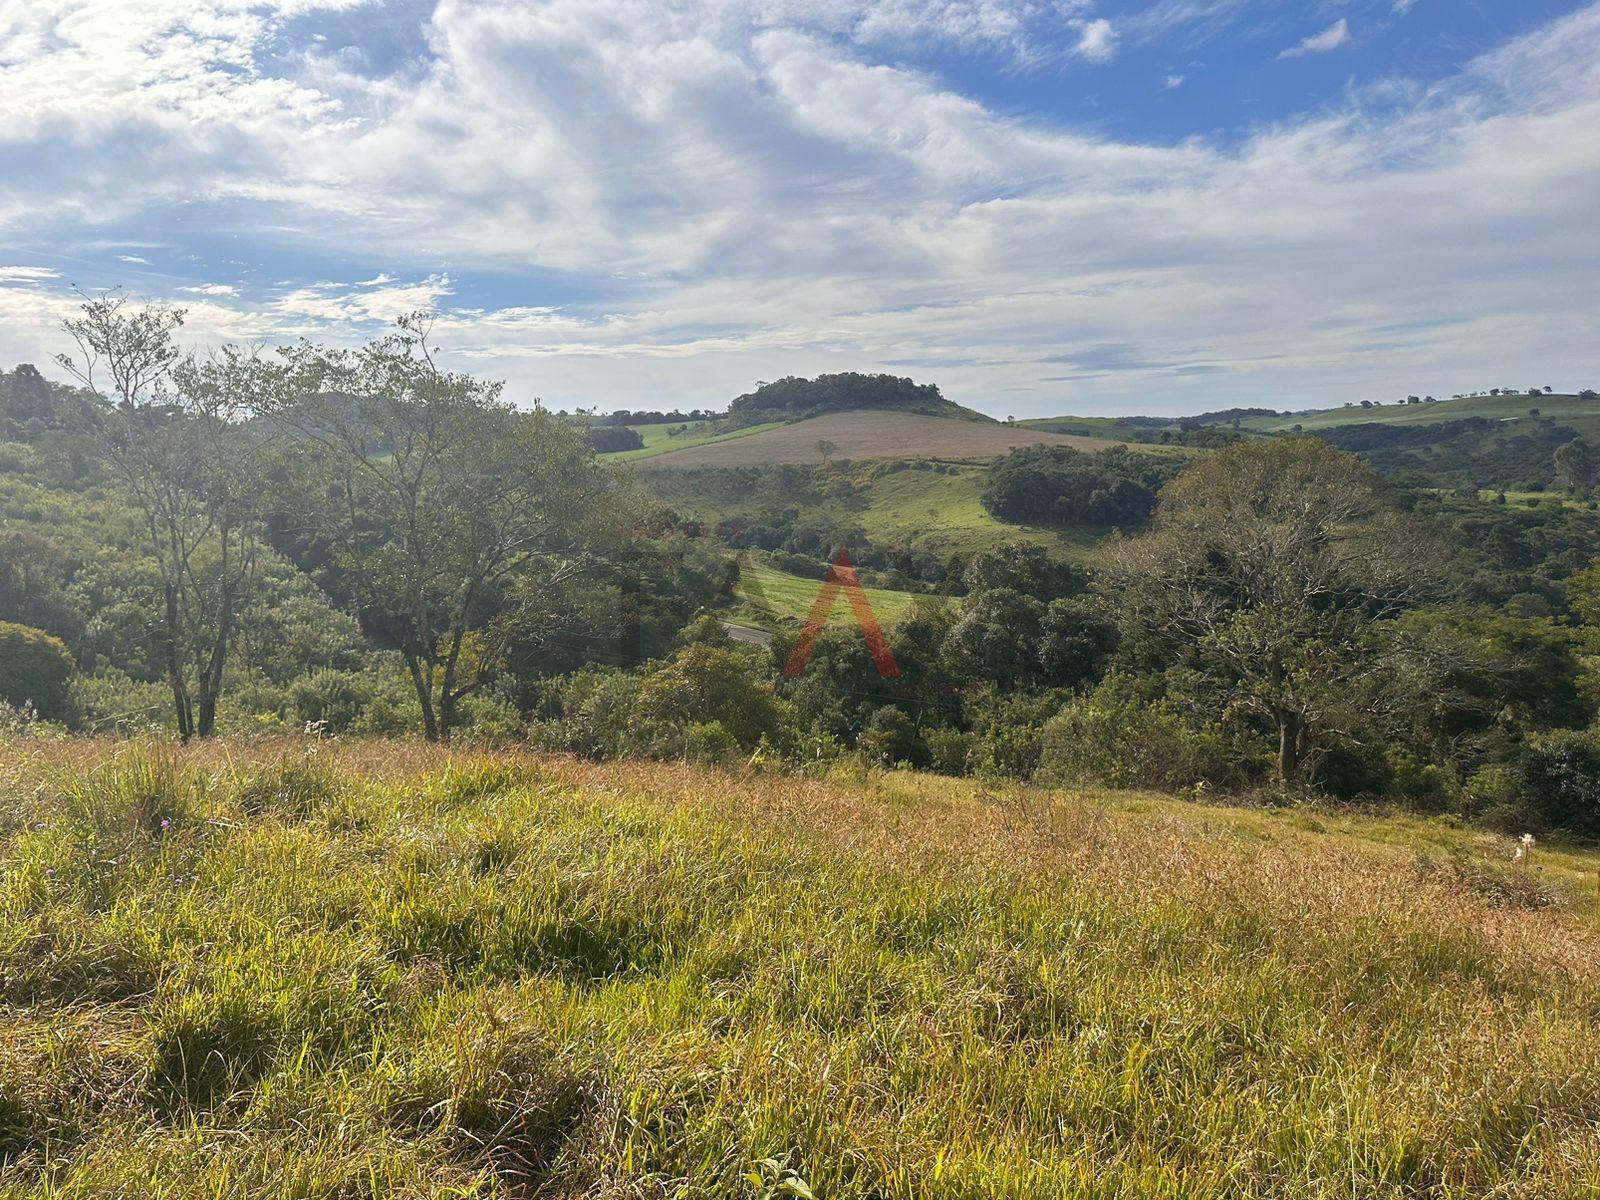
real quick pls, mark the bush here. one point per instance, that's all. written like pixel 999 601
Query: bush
pixel 609 439
pixel 1114 736
pixel 109 701
pixel 950 751
pixel 890 738
pixel 709 742
pixel 35 670
pixel 1558 777
pixel 704 684
pixel 333 698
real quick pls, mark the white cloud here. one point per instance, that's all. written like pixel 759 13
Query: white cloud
pixel 133 258
pixel 1172 81
pixel 751 190
pixel 1097 41
pixel 1404 6
pixel 1331 38
pixel 27 274
pixel 211 289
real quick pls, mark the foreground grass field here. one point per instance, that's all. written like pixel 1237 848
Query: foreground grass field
pixel 383 970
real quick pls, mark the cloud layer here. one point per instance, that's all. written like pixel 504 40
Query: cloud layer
pixel 641 202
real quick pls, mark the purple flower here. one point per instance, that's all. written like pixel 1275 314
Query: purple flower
pixel 165 824
pixel 49 872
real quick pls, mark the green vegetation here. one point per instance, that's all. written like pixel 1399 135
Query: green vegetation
pixel 35 670
pixel 795 399
pixel 704 927
pixel 1056 485
pixel 1580 412
pixel 772 597
pixel 664 439
pixel 360 542
pixel 379 970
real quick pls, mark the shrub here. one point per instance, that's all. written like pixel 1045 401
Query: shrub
pixel 1491 794
pixel 1116 737
pixel 109 701
pixel 609 439
pixel 707 683
pixel 950 751
pixel 35 669
pixel 1559 779
pixel 334 698
pixel 891 738
pixel 709 742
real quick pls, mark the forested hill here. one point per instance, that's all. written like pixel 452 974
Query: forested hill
pixel 794 399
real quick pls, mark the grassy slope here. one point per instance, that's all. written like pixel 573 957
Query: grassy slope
pixel 945 511
pixel 934 508
pixel 1096 427
pixel 382 971
pixel 870 434
pixel 771 597
pixel 701 433
pixel 1582 415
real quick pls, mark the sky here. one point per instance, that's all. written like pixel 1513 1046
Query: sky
pixel 1043 206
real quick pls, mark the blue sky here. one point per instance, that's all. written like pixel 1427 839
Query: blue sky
pixel 1043 205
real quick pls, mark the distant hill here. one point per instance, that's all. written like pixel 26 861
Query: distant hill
pixel 1580 412
pixel 795 399
pixel 1505 442
pixel 863 435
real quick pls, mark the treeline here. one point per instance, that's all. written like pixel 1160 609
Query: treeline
pixel 247 527
pixel 793 398
pixel 1058 485
pixel 362 542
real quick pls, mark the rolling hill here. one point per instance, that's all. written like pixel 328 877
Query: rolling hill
pixel 1580 413
pixel 865 434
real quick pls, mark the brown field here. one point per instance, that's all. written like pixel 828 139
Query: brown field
pixel 872 434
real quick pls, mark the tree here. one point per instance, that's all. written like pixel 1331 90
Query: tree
pixel 1268 566
pixel 705 683
pixel 34 669
pixel 32 571
pixel 194 478
pixel 1576 468
pixel 826 448
pixel 610 439
pixel 455 521
pixel 1024 567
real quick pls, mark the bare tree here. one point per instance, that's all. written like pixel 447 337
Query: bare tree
pixel 456 520
pixel 193 478
pixel 826 448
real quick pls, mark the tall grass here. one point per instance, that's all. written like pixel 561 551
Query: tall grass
pixel 384 970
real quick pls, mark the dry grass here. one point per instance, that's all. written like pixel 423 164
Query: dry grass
pixel 384 969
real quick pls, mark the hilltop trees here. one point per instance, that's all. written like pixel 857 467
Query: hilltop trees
pixel 1267 569
pixel 793 398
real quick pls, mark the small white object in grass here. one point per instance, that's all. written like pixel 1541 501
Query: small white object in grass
pixel 1524 846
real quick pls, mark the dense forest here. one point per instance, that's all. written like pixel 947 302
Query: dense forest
pixel 349 542
pixel 793 398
